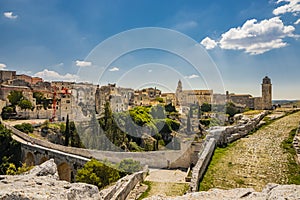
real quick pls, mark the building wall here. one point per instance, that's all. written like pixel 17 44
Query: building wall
pixel 7 75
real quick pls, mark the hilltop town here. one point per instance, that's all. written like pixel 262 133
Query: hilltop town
pixel 57 99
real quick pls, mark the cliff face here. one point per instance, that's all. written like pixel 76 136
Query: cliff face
pixel 271 191
pixel 42 183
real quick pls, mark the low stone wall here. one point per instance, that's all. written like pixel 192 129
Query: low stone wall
pixel 221 136
pixel 123 187
pixel 296 144
pixel 202 164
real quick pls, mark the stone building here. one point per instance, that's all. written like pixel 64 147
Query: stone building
pixel 29 79
pixel 7 75
pixel 120 98
pixel 257 103
pixel 147 97
pixel 188 97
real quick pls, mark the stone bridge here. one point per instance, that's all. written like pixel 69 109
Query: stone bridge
pixel 33 153
pixel 69 159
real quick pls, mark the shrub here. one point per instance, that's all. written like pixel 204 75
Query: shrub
pixel 25 127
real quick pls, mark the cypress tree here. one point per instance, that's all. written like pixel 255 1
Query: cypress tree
pixel 67 132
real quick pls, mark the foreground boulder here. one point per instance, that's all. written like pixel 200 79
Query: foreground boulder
pixel 271 191
pixel 42 183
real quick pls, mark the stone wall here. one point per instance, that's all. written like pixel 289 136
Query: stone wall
pixel 221 136
pixel 123 187
pixel 202 164
pixel 296 144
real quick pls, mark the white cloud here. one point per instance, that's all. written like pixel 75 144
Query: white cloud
pixel 297 22
pixel 208 43
pixel 291 6
pixel 2 66
pixel 257 37
pixel 52 75
pixel 81 63
pixel 150 70
pixel 114 69
pixel 10 15
pixel 185 25
pixel 191 76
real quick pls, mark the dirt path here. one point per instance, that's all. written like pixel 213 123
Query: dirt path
pixel 167 182
pixel 253 161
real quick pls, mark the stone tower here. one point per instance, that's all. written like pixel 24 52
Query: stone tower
pixel 179 93
pixel 266 93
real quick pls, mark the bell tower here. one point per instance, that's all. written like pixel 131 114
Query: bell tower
pixel 266 93
pixel 179 93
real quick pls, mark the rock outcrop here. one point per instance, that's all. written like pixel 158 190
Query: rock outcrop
pixel 270 192
pixel 42 183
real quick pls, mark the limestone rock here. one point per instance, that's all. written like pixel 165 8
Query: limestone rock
pixel 271 191
pixel 42 183
pixel 47 168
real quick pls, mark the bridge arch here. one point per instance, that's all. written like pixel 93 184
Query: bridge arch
pixel 29 159
pixel 64 171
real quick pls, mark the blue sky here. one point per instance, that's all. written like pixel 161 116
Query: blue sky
pixel 245 40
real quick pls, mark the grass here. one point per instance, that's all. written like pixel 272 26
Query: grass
pixel 252 112
pixel 146 193
pixel 293 167
pixel 207 181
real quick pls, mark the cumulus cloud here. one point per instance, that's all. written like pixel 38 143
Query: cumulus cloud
pixel 2 66
pixel 114 69
pixel 291 6
pixel 192 76
pixel 10 15
pixel 52 75
pixel 208 43
pixel 297 22
pixel 81 63
pixel 257 37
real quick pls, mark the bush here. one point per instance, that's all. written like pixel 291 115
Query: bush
pixel 25 127
pixel 129 166
pixel 10 150
pixel 97 173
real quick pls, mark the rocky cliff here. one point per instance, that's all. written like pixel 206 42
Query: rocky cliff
pixel 42 183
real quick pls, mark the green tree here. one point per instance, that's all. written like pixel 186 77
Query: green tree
pixel 188 124
pixel 198 111
pixel 9 150
pixel 15 97
pixel 206 107
pixel 129 166
pixel 170 108
pixel 75 139
pixel 231 109
pixel 157 112
pixel 97 173
pixel 8 112
pixel 39 96
pixel 25 127
pixel 25 104
pixel 67 132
